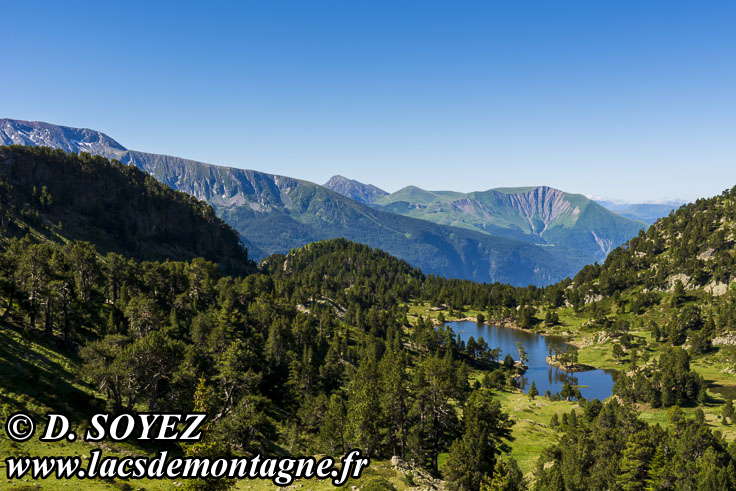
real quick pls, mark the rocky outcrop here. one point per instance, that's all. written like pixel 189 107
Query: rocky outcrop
pixel 423 481
pixel 706 255
pixel 725 340
pixel 682 278
pixel 716 288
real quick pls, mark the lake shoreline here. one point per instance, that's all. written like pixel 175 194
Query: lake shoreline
pixel 545 371
pixel 510 324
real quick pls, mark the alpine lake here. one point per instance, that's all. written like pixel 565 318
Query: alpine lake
pixel 593 384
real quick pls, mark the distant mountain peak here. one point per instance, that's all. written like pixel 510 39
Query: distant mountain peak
pixel 76 140
pixel 539 214
pixel 363 193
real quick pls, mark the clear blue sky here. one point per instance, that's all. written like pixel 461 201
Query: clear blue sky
pixel 632 100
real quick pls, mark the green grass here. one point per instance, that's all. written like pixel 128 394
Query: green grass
pixel 377 470
pixel 26 386
pixel 531 430
pixel 37 378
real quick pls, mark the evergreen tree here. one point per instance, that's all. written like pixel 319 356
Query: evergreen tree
pixel 634 465
pixel 472 458
pixel 533 392
pixel 436 382
pixel 333 428
pixel 728 412
pixel 363 409
pixel 394 397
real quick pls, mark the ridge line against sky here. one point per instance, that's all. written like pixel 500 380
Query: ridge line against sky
pixel 625 99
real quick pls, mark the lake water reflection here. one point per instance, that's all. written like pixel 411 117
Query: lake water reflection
pixel 594 384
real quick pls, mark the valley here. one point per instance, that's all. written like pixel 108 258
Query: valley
pixel 593 384
pixel 368 246
pixel 525 236
pixel 291 352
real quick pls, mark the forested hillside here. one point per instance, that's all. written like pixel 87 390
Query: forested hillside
pixel 315 354
pixel 662 311
pixel 337 345
pixel 57 196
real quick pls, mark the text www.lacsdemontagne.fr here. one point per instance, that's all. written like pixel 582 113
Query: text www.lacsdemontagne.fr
pixel 282 471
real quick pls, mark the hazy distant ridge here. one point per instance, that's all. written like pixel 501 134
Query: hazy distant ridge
pixel 277 213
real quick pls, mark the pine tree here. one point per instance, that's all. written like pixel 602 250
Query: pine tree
pixel 435 382
pixel 472 458
pixel 333 427
pixel 533 392
pixel 633 466
pixel 678 294
pixel 658 476
pixel 394 395
pixel 363 409
pixel 728 411
pixel 618 352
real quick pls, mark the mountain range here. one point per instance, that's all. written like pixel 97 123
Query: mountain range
pixel 645 212
pixel 539 215
pixel 519 236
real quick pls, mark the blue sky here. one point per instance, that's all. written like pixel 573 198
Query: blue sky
pixel 630 100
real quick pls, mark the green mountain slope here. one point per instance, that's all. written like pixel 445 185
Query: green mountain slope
pixel 277 213
pixel 57 196
pixel 540 215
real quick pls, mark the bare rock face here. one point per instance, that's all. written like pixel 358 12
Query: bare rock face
pixel 362 193
pixel 727 340
pixel 606 245
pixel 542 204
pixel 706 255
pixel 76 140
pixel 682 277
pixel 593 297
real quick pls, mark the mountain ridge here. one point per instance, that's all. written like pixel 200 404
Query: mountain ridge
pixel 536 214
pixel 275 214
